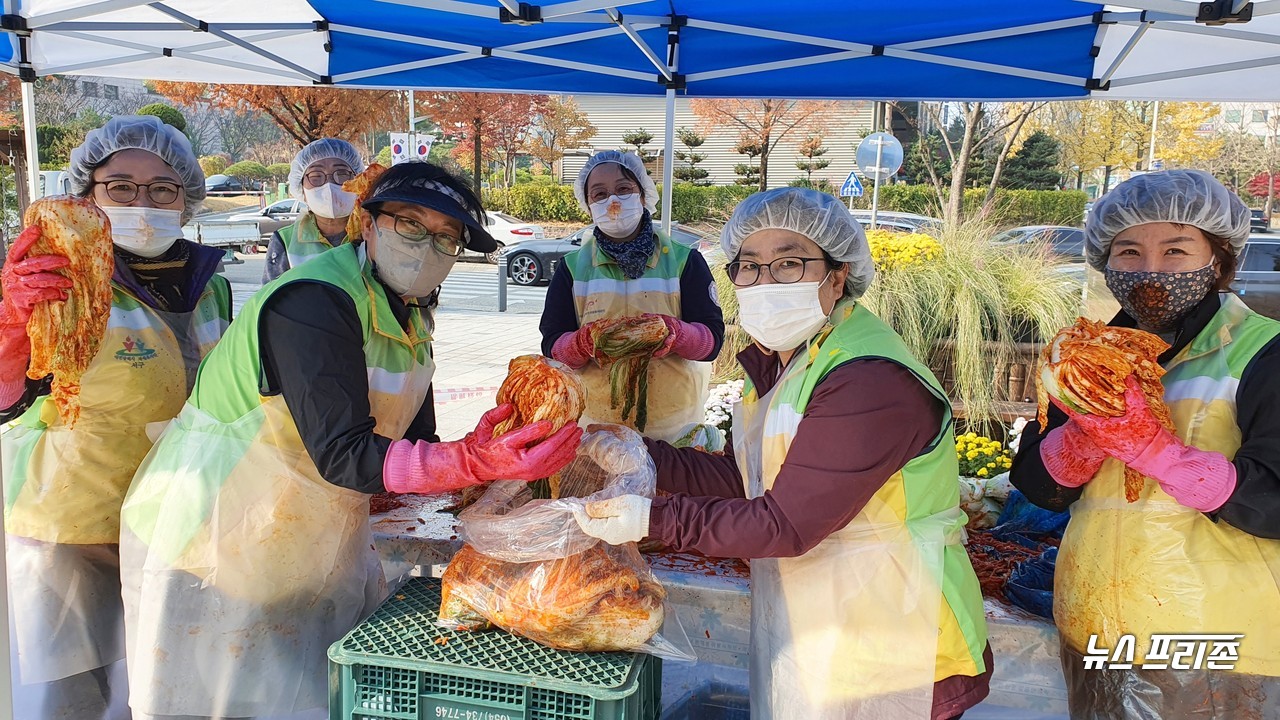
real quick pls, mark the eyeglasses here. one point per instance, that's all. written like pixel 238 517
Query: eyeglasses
pixel 410 229
pixel 125 191
pixel 623 188
pixel 317 178
pixel 784 270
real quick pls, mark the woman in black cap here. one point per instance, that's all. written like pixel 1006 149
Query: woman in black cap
pixel 246 549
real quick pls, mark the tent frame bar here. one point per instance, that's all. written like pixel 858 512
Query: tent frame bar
pixel 639 42
pixel 243 44
pixel 471 52
pixel 170 27
pixel 188 53
pixel 1124 52
pixel 36 22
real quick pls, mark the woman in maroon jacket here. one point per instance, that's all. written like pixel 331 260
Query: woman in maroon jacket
pixel 843 443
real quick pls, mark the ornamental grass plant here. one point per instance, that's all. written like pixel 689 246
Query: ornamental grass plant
pixel 965 306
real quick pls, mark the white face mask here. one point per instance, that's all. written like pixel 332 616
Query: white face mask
pixel 781 317
pixel 329 201
pixel 147 232
pixel 412 269
pixel 617 216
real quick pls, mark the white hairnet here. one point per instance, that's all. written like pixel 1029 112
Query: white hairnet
pixel 815 215
pixel 1185 197
pixel 628 160
pixel 317 150
pixel 138 132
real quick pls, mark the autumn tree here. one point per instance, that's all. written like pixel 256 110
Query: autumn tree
pixel 480 121
pixel 560 126
pixel 213 164
pixel 765 123
pixel 989 130
pixel 812 151
pixel 303 114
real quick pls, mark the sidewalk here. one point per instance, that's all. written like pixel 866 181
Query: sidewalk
pixel 472 348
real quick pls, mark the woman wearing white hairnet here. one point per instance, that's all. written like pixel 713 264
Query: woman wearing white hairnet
pixel 629 268
pixel 840 487
pixel 1199 551
pixel 315 177
pixel 64 486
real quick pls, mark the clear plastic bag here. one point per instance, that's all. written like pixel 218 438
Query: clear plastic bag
pixel 529 569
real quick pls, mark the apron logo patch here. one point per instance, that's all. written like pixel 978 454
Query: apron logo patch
pixel 135 352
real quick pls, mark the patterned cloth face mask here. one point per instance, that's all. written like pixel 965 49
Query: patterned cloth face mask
pixel 1159 300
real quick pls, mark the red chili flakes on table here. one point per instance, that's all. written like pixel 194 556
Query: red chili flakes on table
pixel 993 560
pixel 381 503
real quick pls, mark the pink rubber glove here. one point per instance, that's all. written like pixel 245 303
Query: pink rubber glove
pixel 576 348
pixel 524 454
pixel 690 341
pixel 24 283
pixel 1070 456
pixel 1199 479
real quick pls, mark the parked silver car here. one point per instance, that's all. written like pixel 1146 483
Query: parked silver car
pixel 274 216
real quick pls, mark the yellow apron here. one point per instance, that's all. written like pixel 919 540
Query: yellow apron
pixel 64 486
pixel 241 563
pixel 677 387
pixel 849 629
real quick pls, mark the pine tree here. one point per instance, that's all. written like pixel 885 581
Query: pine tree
pixel 690 172
pixel 749 172
pixel 639 138
pixel 1035 167
pixel 812 151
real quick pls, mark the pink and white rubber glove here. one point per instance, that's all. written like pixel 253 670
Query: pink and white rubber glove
pixel 691 341
pixel 576 348
pixel 1070 456
pixel 1199 479
pixel 25 282
pixel 530 453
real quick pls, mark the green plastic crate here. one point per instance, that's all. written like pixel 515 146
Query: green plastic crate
pixel 394 666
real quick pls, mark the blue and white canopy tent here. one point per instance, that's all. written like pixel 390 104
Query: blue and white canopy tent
pixel 874 49
pixel 834 49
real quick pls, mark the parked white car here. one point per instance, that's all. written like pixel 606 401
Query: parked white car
pixel 509 230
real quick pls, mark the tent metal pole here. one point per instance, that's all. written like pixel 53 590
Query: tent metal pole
pixel 29 137
pixel 668 152
pixel 1151 148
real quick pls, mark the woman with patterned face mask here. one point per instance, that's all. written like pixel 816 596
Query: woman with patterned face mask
pixel 628 268
pixel 245 542
pixel 65 484
pixel 1198 551
pixel 315 177
pixel 840 487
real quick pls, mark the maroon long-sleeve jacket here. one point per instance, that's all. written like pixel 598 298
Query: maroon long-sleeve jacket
pixel 865 421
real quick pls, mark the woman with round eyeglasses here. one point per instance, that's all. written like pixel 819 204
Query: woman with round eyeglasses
pixel 626 267
pixel 840 487
pixel 64 486
pixel 245 543
pixel 316 176
pixel 1198 551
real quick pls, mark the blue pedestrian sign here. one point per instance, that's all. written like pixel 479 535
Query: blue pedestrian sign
pixel 852 186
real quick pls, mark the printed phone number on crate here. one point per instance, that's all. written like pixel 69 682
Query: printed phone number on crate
pixel 456 714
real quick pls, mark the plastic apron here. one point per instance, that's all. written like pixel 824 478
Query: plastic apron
pixel 677 387
pixel 850 628
pixel 248 563
pixel 1155 566
pixel 64 486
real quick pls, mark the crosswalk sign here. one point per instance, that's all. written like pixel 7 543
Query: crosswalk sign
pixel 852 186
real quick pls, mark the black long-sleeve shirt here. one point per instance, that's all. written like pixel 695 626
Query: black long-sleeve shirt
pixel 312 349
pixel 698 304
pixel 1254 507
